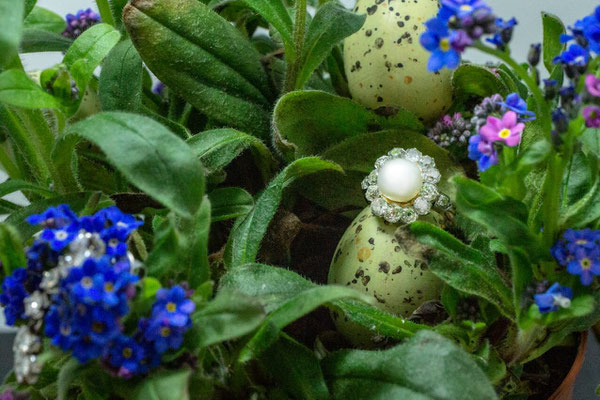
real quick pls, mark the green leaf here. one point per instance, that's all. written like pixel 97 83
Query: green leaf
pixel 17 89
pixel 87 52
pixel 470 79
pixel 11 249
pixel 295 368
pixel 68 373
pixel 229 203
pixel 146 153
pixel 194 249
pixel 274 286
pixel 293 309
pixel 535 154
pixel 121 79
pixel 116 9
pixel 464 268
pixel 331 24
pixel 15 185
pixel 35 40
pixel 217 148
pixel 357 156
pixel 11 21
pixel 427 367
pixel 584 211
pixel 309 122
pixel 205 59
pixel 591 141
pixel 553 28
pixel 276 14
pixel 46 20
pixel 248 231
pixel 164 385
pixel 77 202
pixel 229 316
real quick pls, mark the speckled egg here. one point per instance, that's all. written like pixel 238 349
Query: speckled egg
pixel 387 66
pixel 377 258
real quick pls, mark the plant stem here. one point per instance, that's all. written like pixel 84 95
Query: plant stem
pixel 293 66
pixel 9 165
pixel 105 12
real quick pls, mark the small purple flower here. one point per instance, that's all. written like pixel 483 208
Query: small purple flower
pixel 506 130
pixel 592 116
pixel 515 103
pixel 80 22
pixel 592 85
pixel 483 152
pixel 174 304
pixel 556 297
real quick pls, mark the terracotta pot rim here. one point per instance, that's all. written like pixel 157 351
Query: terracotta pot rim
pixel 565 390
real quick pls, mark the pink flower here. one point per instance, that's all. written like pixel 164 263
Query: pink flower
pixel 592 116
pixel 593 85
pixel 506 129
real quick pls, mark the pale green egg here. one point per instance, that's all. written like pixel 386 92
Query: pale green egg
pixel 380 260
pixel 387 66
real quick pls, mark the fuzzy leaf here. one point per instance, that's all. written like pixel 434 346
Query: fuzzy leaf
pixel 11 21
pixel 121 79
pixel 553 28
pixel 276 14
pixel 146 153
pixel 46 20
pixel 427 367
pixel 229 203
pixel 248 231
pixel 36 40
pixel 11 250
pixel 17 89
pixel 309 122
pixel 164 385
pixel 470 79
pixel 204 58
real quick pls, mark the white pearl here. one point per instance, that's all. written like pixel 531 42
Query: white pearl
pixel 400 180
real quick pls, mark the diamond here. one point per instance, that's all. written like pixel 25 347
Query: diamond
pixel 408 215
pixel 26 342
pixel 50 281
pixel 422 206
pixel 35 305
pixel 432 175
pixel 372 193
pixel 426 161
pixel 393 214
pixel 443 202
pixel 429 192
pixel 371 179
pixel 379 207
pixel 27 368
pixel 86 245
pixel 413 155
pixel 397 153
pixel 381 161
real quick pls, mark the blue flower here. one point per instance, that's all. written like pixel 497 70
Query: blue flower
pixel 80 22
pixel 515 103
pixel 120 220
pixel 116 241
pixel 586 264
pixel 438 41
pixel 41 257
pixel 54 217
pixel 575 55
pixel 174 305
pixel 585 32
pixel 163 335
pixel 13 294
pixel 483 152
pixel 58 327
pixel 504 31
pixel 461 8
pixel 96 328
pixel 59 238
pixel 127 356
pixel 556 297
pixel 579 251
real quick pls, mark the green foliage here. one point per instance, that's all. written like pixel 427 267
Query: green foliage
pixel 12 255
pixel 45 20
pixel 553 28
pixel 469 79
pixel 18 90
pixel 229 203
pixel 11 15
pixel 405 372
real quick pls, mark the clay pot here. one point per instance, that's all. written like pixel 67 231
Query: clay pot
pixel 565 390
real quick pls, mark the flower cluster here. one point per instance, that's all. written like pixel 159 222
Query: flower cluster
pixel 451 130
pixel 77 290
pixel 579 251
pixel 458 25
pixel 80 22
pixel 504 124
pixel 584 38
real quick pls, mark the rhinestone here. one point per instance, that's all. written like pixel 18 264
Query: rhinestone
pixel 393 214
pixel 397 153
pixel 26 342
pixel 381 161
pixel 413 155
pixel 429 192
pixel 50 280
pixel 86 245
pixel 408 215
pixel 379 207
pixel 35 305
pixel 443 202
pixel 27 368
pixel 372 193
pixel 371 179
pixel 432 175
pixel 426 161
pixel 422 206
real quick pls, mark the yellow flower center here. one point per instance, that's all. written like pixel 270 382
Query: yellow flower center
pixel 165 332
pixel 586 263
pixel 127 352
pixel 445 44
pixel 171 307
pixel 466 7
pixel 504 133
pixel 109 287
pixel 86 282
pixel 581 241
